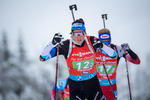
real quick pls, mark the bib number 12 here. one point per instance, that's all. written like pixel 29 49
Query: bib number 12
pixel 83 64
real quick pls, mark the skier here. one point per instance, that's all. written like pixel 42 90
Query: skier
pixel 63 86
pixel 79 52
pixel 111 64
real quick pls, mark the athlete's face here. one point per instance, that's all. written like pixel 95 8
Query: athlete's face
pixel 78 36
pixel 105 38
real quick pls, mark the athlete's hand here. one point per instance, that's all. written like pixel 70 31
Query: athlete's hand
pixel 98 44
pixel 125 46
pixel 57 38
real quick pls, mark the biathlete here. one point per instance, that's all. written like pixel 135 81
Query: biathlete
pixel 79 53
pixel 111 64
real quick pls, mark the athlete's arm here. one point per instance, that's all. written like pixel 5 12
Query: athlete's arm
pixel 108 51
pixel 50 50
pixel 132 57
pixel 129 54
pixel 105 49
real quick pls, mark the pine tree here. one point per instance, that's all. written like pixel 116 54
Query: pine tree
pixel 4 65
pixel 6 53
pixel 22 53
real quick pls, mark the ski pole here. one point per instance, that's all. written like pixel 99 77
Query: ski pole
pixel 107 74
pixel 56 69
pixel 104 16
pixel 128 79
pixel 71 8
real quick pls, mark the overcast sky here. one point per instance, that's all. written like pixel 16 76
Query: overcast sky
pixel 39 20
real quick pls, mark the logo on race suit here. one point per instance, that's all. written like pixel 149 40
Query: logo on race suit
pixel 78 24
pixel 61 84
pixel 80 54
pixel 79 77
pixel 105 36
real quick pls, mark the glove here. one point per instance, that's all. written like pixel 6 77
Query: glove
pixel 57 38
pixel 98 44
pixel 125 46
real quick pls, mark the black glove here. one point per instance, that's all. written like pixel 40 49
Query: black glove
pixel 98 44
pixel 57 38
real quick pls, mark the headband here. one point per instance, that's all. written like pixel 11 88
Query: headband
pixel 78 26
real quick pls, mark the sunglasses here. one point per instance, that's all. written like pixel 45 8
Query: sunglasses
pixel 78 33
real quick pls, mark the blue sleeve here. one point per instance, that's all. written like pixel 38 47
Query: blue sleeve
pixel 52 52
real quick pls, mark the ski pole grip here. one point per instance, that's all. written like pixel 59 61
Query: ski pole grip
pixel 73 6
pixel 104 16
